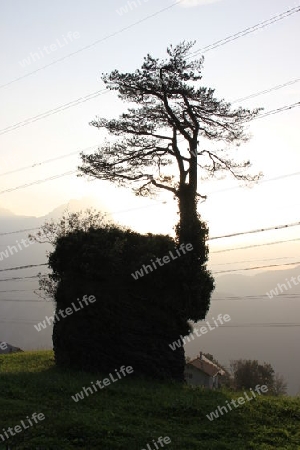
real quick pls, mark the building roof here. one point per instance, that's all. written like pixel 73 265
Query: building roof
pixel 206 366
pixel 7 348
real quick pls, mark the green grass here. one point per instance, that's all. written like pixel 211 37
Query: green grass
pixel 132 412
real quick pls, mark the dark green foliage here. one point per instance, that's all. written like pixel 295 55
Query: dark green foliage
pixel 248 373
pixel 133 321
pixel 131 413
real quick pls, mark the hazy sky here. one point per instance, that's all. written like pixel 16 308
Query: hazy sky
pixel 247 65
pixel 38 75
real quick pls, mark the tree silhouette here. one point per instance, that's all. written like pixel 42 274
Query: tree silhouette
pixel 173 112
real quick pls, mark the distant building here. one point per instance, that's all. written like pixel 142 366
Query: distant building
pixel 7 348
pixel 203 372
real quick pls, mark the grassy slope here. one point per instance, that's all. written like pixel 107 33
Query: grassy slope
pixel 131 413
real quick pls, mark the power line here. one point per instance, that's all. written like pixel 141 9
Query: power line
pixel 19 231
pixel 259 230
pixel 242 325
pixel 20 301
pixel 103 91
pixel 96 145
pixel 256 297
pixel 257 267
pixel 24 267
pixel 253 260
pixel 276 111
pixel 50 112
pixel 19 322
pixel 54 177
pixel 255 245
pixel 105 212
pixel 18 290
pixel 237 262
pixel 115 33
pixel 280 177
pixel 246 31
pixel 74 171
pixel 261 325
pixel 46 161
pixel 19 278
pixel 266 91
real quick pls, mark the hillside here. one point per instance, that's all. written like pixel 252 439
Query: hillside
pixel 131 413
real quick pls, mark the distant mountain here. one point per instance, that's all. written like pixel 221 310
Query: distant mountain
pixel 74 205
pixel 6 212
pixel 259 284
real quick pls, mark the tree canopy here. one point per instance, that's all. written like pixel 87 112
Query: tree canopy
pixel 171 105
pixel 163 142
pixel 248 373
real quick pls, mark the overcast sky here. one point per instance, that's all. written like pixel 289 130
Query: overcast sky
pixel 118 34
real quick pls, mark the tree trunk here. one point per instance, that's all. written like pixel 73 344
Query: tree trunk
pixel 187 213
pixel 191 230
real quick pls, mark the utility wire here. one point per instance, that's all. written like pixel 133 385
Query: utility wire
pixel 280 86
pixel 103 91
pixel 253 260
pixel 19 278
pixel 19 290
pixel 246 31
pixel 258 267
pixel 241 325
pixel 259 230
pixel 216 44
pixel 237 262
pixel 232 298
pixel 276 111
pixel 253 246
pixel 104 213
pixel 20 301
pixel 98 41
pixel 74 171
pixel 257 297
pixel 266 91
pixel 18 322
pixel 280 177
pixel 54 177
pixel 19 231
pixel 47 161
pixel 215 237
pixel 50 112
pixel 23 267
pixel 262 325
